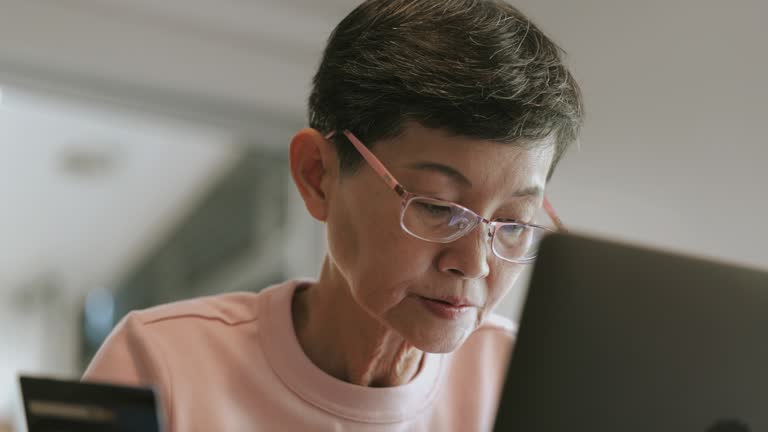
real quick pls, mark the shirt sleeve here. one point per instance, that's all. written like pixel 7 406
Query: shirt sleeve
pixel 129 357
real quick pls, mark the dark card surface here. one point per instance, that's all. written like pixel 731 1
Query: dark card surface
pixel 62 406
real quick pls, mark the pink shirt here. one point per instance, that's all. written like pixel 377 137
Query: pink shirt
pixel 233 363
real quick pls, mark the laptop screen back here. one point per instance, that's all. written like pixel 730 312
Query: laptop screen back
pixel 618 338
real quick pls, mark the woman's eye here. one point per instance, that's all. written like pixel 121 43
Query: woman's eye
pixel 436 210
pixel 512 229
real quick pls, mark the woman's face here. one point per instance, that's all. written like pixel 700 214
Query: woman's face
pixel 403 281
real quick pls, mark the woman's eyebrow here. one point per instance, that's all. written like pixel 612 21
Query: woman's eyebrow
pixel 445 170
pixel 456 175
pixel 530 191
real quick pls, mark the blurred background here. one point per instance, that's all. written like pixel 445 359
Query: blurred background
pixel 143 150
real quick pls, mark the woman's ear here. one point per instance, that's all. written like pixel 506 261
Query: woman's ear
pixel 314 169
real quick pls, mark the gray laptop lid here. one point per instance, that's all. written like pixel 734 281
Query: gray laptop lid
pixel 615 338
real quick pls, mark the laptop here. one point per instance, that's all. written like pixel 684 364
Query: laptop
pixel 618 338
pixel 67 406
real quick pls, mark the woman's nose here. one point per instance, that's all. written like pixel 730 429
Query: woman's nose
pixel 468 257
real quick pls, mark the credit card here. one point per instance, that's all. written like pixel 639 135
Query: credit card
pixel 53 405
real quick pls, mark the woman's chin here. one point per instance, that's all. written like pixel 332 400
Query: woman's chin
pixel 439 337
pixel 442 343
pixel 432 328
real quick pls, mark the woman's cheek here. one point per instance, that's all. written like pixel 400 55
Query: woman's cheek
pixel 500 287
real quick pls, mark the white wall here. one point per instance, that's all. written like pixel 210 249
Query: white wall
pixel 674 151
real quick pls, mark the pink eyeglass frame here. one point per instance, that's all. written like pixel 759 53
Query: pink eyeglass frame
pixel 393 184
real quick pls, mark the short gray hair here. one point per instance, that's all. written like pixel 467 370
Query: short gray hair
pixel 475 68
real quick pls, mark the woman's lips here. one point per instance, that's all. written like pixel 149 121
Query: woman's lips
pixel 451 309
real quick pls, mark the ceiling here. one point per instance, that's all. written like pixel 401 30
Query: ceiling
pixel 243 53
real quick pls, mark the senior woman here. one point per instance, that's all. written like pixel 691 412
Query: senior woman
pixel 435 126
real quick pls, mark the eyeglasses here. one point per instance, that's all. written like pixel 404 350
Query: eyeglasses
pixel 439 221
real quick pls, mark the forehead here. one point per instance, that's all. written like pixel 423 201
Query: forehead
pixel 486 164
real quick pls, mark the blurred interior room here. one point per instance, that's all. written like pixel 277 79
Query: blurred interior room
pixel 143 151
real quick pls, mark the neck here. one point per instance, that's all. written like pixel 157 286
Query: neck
pixel 344 340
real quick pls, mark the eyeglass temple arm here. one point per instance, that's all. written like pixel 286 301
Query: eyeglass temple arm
pixel 553 215
pixel 372 160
